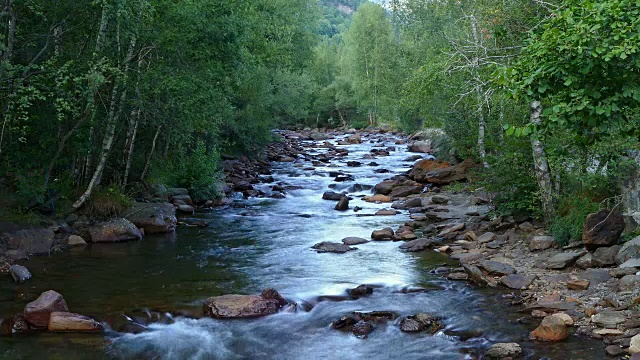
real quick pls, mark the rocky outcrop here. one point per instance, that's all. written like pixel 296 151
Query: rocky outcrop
pixel 37 312
pixel 446 175
pixel 154 218
pixel 629 249
pixel 244 306
pixel 31 241
pixel 602 229
pixel 423 167
pixel 114 231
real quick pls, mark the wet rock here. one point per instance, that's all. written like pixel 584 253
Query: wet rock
pixel 552 328
pixel 354 163
pixel 182 199
pixel 452 228
pixel 75 240
pixel 629 250
pixel 332 247
pixel 562 260
pixel 19 273
pixel 384 234
pixel 477 276
pixel 386 212
pixel 33 241
pixel 332 195
pixel 362 329
pixel 244 306
pixel 360 291
pixel 458 276
pixel 423 147
pixel 154 218
pixel 602 229
pixel 354 139
pixel 579 284
pixel 614 350
pixel 608 319
pixel 605 256
pixel 418 244
pixel 70 322
pixel 344 178
pixel 375 316
pixel 343 204
pixel 354 241
pixel 114 231
pixel 185 209
pixel 421 322
pixel 344 322
pixel 411 203
pixel 497 268
pixel 37 312
pixel 503 351
pixel 440 199
pixel 377 198
pixel 541 243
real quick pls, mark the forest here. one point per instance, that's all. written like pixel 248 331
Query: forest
pixel 102 98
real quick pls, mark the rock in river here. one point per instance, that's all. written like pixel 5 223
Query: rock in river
pixel 154 218
pixel 244 306
pixel 352 240
pixel 421 322
pixel 70 322
pixel 362 329
pixel 33 241
pixel 552 328
pixel 343 204
pixel 37 312
pixel 503 351
pixel 497 268
pixel 332 195
pixel 384 234
pixel 333 247
pixel 19 273
pixel 418 244
pixel 114 231
pixel 360 291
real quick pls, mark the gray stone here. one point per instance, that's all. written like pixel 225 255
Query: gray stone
pixel 631 263
pixel 608 319
pixel 154 218
pixel 517 282
pixel 244 306
pixel 477 276
pixel 602 229
pixel 354 241
pixel 343 204
pixel 605 256
pixel 114 231
pixel 503 350
pixel 19 273
pixel 418 244
pixel 586 261
pixel 332 195
pixel 629 250
pixel 629 282
pixel 486 237
pixel 32 241
pixel 186 209
pixel 440 199
pixel 333 247
pixel 497 268
pixel 75 240
pixel 541 243
pixel 562 260
pixel 467 258
pixel 596 276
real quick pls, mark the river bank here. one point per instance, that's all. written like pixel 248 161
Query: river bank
pixel 455 224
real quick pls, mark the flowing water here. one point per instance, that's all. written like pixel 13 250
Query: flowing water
pixel 262 243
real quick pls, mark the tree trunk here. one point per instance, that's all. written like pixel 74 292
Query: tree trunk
pixel 115 109
pixel 153 148
pixel 134 120
pixel 482 127
pixel 541 165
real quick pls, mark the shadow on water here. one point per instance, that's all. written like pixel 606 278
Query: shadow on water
pixel 262 243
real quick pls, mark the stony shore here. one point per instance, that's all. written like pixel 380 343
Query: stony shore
pixel 585 289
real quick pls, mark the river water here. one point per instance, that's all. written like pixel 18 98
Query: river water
pixel 266 243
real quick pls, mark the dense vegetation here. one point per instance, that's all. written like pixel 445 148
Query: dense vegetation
pixel 109 94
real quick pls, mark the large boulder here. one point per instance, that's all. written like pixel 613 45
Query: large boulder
pixel 37 312
pixel 343 204
pixel 602 229
pixel 406 190
pixel 445 176
pixel 332 195
pixel 384 234
pixel 497 268
pixel 552 328
pixel 423 147
pixel 629 250
pixel 244 306
pixel 541 243
pixel 423 167
pixel 31 241
pixel 517 282
pixel 605 256
pixel 114 231
pixel 70 322
pixel 154 218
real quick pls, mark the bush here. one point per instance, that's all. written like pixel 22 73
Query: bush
pixel 107 203
pixel 572 212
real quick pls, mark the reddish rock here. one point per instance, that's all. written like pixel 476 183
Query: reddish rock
pixel 37 312
pixel 244 306
pixel 423 167
pixel 552 328
pixel 447 175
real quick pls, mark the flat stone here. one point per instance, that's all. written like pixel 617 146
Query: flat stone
pixel 614 350
pixel 386 212
pixel 517 282
pixel 497 268
pixel 605 256
pixel 354 241
pixel 486 237
pixel 477 276
pixel 458 276
pixel 503 351
pixel 440 199
pixel 332 247
pixel 33 241
pixel 562 260
pixel 70 322
pixel 467 258
pixel 629 282
pixel 541 243
pixel 377 198
pixel 634 345
pixel 620 272
pixel 629 249
pixel 631 263
pixel 608 332
pixel 579 284
pixel 244 306
pixel 552 328
pixel 418 244
pixel 37 312
pixel 608 319
pixel 452 228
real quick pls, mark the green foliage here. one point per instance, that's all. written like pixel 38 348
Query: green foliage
pixel 568 225
pixel 107 203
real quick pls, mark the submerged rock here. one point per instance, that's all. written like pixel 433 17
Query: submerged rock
pixel 362 329
pixel 244 306
pixel 360 291
pixel 421 322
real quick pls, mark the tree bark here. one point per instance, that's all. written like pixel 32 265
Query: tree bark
pixel 115 109
pixel 541 165
pixel 134 120
pixel 482 127
pixel 153 148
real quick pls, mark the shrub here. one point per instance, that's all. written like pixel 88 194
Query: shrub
pixel 107 203
pixel 572 212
